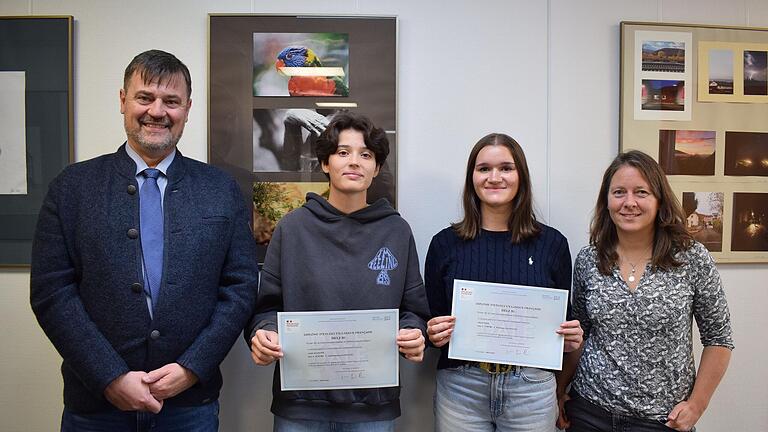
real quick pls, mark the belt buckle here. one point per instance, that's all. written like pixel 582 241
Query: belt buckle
pixel 495 368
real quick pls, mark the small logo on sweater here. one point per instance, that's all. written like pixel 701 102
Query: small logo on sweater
pixel 530 260
pixel 383 262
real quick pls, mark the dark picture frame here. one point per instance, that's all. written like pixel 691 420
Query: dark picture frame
pixel 40 49
pixel 267 141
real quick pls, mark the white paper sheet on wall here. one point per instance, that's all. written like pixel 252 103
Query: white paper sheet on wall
pixel 13 145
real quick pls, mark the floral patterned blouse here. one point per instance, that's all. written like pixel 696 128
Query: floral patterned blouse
pixel 638 350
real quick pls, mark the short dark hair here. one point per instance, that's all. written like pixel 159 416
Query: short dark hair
pixel 156 65
pixel 670 235
pixel 375 138
pixel 522 221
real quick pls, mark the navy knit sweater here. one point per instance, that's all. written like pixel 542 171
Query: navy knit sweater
pixel 543 261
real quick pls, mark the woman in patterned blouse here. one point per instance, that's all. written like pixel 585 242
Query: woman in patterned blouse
pixel 637 287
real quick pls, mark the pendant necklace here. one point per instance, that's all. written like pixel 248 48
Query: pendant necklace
pixel 631 277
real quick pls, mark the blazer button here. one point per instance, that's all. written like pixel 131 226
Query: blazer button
pixel 133 233
pixel 131 189
pixel 137 287
pixel 155 335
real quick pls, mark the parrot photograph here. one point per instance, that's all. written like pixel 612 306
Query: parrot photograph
pixel 301 64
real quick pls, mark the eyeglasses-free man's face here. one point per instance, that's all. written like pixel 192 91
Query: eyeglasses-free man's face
pixel 154 114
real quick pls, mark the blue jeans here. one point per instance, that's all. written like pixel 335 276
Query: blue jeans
pixel 588 417
pixel 468 398
pixel 203 418
pixel 283 424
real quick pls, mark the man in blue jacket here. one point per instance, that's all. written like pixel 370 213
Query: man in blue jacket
pixel 144 270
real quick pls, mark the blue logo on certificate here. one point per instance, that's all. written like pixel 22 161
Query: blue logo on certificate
pixel 292 325
pixel 465 293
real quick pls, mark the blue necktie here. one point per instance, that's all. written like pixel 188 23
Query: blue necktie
pixel 151 234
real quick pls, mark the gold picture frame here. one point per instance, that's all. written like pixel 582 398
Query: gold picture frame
pixel 695 97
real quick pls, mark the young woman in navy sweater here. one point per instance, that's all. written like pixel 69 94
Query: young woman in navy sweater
pixel 499 241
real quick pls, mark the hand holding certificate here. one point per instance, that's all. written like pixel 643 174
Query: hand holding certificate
pixel 338 349
pixel 508 324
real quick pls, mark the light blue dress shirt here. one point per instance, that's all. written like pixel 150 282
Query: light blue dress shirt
pixel 162 181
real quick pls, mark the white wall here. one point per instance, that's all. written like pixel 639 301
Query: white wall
pixel 544 72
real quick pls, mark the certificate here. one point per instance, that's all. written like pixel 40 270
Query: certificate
pixel 508 324
pixel 338 349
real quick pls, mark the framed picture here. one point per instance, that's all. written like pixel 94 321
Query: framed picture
pixel 662 66
pixel 36 123
pixel 733 72
pixel 695 97
pixel 275 82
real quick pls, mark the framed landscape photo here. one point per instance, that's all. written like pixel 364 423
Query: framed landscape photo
pixel 704 218
pixel 687 152
pixel 36 123
pixel 733 72
pixel 695 97
pixel 275 82
pixel 662 73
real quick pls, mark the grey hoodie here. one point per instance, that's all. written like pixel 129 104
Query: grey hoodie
pixel 320 259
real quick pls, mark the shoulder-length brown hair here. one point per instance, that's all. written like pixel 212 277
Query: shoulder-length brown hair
pixel 522 221
pixel 669 236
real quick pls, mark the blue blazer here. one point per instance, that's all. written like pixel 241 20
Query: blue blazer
pixel 86 278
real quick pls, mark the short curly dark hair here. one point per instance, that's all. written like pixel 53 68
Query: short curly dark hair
pixel 375 138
